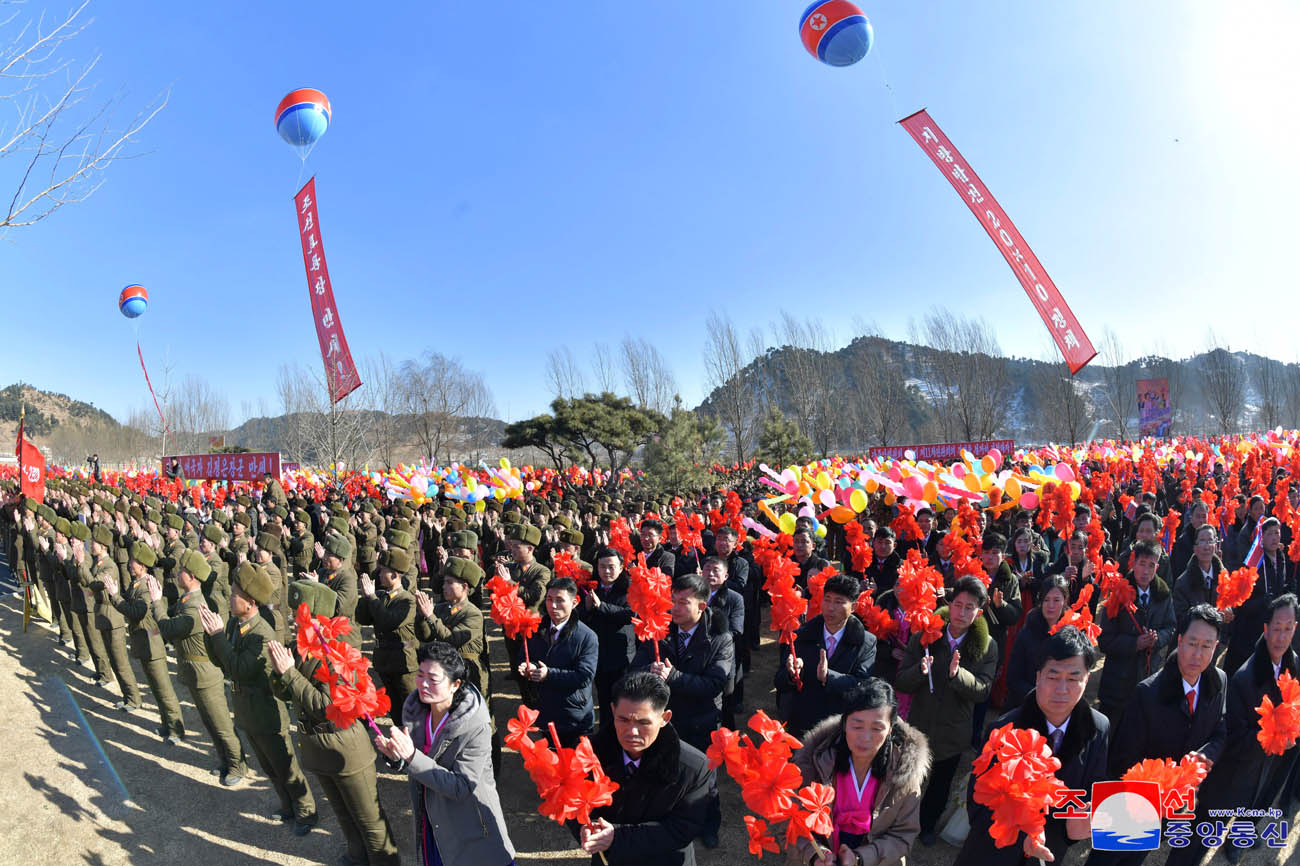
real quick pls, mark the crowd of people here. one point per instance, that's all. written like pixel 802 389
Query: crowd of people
pixel 214 582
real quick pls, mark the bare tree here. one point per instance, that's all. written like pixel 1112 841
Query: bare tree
pixel 440 393
pixel 811 380
pixel 969 384
pixel 1268 377
pixel 604 368
pixel 725 364
pixel 1291 383
pixel 1223 381
pixel 316 430
pixel 1119 381
pixel 881 397
pixel 384 399
pixel 1064 413
pixel 563 374
pixel 61 142
pixel 645 372
pixel 197 411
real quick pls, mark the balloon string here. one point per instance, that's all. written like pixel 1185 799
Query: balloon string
pixel 150 384
pixel 884 78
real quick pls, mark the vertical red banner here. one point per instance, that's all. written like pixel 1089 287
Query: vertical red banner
pixel 32 464
pixel 1046 298
pixel 340 372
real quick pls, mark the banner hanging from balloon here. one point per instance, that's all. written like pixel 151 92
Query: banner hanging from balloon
pixel 1046 298
pixel 340 373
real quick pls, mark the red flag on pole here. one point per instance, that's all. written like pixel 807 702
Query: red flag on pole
pixel 1043 294
pixel 32 465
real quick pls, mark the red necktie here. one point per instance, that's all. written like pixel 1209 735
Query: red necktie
pixel 1191 703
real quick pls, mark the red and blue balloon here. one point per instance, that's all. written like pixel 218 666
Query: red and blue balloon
pixel 133 301
pixel 835 32
pixel 302 117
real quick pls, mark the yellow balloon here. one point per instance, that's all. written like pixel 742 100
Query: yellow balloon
pixel 821 531
pixel 972 482
pixel 787 523
pixel 481 505
pixel 823 481
pixel 858 499
pixel 1075 489
pixel 505 463
pixel 1012 488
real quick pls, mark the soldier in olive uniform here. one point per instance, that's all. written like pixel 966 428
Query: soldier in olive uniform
pixel 531 576
pixel 241 648
pixel 239 543
pixel 146 642
pixel 170 556
pixel 268 546
pixel 83 600
pixel 184 630
pixel 342 578
pixel 216 586
pixel 391 610
pixel 366 536
pixel 49 570
pixel 60 556
pixel 455 620
pixel 108 620
pixel 343 761
pixel 301 544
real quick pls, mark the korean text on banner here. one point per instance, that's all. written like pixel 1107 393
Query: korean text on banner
pixel 942 450
pixel 1061 323
pixel 340 372
pixel 227 467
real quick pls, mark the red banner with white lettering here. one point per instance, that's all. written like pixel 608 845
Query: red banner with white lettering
pixel 226 467
pixel 942 450
pixel 340 372
pixel 1061 323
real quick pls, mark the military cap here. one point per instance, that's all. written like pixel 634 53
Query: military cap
pixel 280 511
pixel 512 515
pixel 170 508
pixel 340 524
pixel 80 531
pixel 338 509
pixel 121 505
pixel 463 570
pixel 455 524
pixel 153 502
pixel 401 524
pixel 337 545
pixel 62 526
pixel 562 520
pixel 397 559
pixel 319 598
pixel 31 504
pixel 135 512
pixel 244 501
pixel 368 505
pixel 243 519
pixel 397 538
pixel 571 536
pixel 492 505
pixel 152 515
pixel 529 534
pixel 195 563
pixel 254 582
pixel 103 535
pixel 214 533
pixel 302 517
pixel 268 541
pixel 465 538
pixel 143 554
pixel 175 521
pixel 46 513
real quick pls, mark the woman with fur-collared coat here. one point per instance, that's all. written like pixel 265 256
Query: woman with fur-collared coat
pixel 877 764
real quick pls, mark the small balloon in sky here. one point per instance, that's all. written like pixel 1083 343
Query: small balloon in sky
pixel 302 117
pixel 835 32
pixel 133 301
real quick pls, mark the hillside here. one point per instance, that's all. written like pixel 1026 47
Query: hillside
pixel 46 412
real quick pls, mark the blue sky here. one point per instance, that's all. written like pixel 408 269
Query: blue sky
pixel 494 189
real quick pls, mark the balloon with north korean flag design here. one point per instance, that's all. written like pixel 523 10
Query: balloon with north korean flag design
pixel 836 32
pixel 302 117
pixel 133 301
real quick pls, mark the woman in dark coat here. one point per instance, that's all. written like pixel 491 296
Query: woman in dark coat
pixel 1022 668
pixel 867 747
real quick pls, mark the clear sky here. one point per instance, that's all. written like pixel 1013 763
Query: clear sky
pixel 493 187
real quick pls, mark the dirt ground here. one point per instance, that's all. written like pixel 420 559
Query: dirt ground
pixel 81 782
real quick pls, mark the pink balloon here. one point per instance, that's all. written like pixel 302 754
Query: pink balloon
pixel 826 498
pixel 959 470
pixel 996 455
pixel 1065 472
pixel 913 488
pixel 1029 500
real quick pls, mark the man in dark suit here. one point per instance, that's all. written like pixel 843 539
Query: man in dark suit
pixel 1276 577
pixel 804 556
pixel 656 555
pixel 928 544
pixel 883 571
pixel 564 654
pixel 727 604
pixel 1175 712
pixel 661 804
pixel 832 653
pixel 696 661
pixel 1245 776
pixel 1079 737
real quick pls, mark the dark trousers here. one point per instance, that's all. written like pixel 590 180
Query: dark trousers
pixel 279 763
pixel 398 686
pixel 77 628
pixel 605 681
pixel 115 648
pixel 935 799
pixel 355 801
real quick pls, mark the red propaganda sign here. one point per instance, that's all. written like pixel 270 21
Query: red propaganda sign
pixel 32 464
pixel 1061 323
pixel 942 450
pixel 227 467
pixel 340 372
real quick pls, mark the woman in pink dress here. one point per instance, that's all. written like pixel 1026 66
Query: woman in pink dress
pixel 877 764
